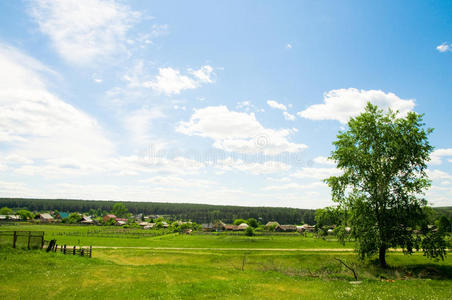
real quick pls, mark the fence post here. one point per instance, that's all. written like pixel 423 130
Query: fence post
pixel 14 239
pixel 82 251
pixel 29 238
pixel 73 251
pixel 90 251
pixel 42 240
pixel 64 249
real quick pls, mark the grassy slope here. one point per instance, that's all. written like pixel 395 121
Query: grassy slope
pixel 144 274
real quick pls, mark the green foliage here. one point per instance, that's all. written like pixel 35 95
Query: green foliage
pixel 25 214
pixel 249 231
pixel 6 211
pixel 239 221
pixel 383 159
pixel 120 210
pixel 444 225
pixel 73 218
pixel 252 222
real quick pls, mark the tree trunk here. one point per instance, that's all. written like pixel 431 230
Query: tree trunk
pixel 382 256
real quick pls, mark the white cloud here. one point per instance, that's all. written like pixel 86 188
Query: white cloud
pixel 438 154
pixel 276 105
pixel 36 122
pixel 82 31
pixel 177 181
pixel 248 106
pixel 204 74
pixel 342 104
pixel 138 124
pixel 444 47
pixel 255 168
pixel 438 175
pixel 289 46
pixel 297 186
pixel 316 173
pixel 170 81
pixel 288 117
pixel 324 161
pixel 237 132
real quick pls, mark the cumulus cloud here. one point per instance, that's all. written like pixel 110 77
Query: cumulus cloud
pixel 322 160
pixel 288 117
pixel 237 132
pixel 316 173
pixel 82 31
pixel 438 175
pixel 170 81
pixel 256 168
pixel 436 158
pixel 444 47
pixel 37 122
pixel 276 105
pixel 295 186
pixel 342 104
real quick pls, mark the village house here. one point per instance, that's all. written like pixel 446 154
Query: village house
pixel 243 226
pixel 231 227
pixel 286 228
pixel 219 226
pixel 46 218
pixel 271 224
pixel 87 220
pixel 108 217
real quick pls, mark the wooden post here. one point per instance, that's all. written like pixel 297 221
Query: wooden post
pixel 73 251
pixel 14 239
pixel 90 251
pixel 29 238
pixel 42 240
pixel 82 251
pixel 64 249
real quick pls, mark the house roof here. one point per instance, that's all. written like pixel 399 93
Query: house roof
pixel 271 223
pixel 45 216
pixel 63 215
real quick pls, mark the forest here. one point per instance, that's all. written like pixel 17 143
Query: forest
pixel 200 213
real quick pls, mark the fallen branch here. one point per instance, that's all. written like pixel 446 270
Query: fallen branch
pixel 348 267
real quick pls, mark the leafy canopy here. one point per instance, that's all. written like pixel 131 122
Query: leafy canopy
pixel 383 158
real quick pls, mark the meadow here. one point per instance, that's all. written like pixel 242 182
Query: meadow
pixel 190 270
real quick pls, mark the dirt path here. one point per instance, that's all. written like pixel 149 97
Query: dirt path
pixel 230 249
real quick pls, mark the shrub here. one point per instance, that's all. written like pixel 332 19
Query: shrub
pixel 249 231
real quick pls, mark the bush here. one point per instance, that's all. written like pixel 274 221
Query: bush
pixel 249 231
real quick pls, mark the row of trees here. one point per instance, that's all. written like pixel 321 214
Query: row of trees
pixel 200 213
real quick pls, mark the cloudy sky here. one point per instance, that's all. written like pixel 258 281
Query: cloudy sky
pixel 219 102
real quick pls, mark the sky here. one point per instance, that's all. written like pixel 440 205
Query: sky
pixel 217 102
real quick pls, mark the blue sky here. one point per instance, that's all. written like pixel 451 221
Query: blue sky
pixel 232 102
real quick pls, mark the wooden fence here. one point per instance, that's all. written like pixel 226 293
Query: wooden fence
pixel 72 250
pixel 22 239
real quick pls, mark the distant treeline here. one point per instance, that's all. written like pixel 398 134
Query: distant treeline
pixel 199 213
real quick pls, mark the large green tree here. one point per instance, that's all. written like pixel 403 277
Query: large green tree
pixel 120 210
pixel 383 158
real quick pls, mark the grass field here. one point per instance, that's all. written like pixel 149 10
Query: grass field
pixel 206 274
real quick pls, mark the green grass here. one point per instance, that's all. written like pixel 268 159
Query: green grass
pixel 80 235
pixel 144 274
pixel 210 274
